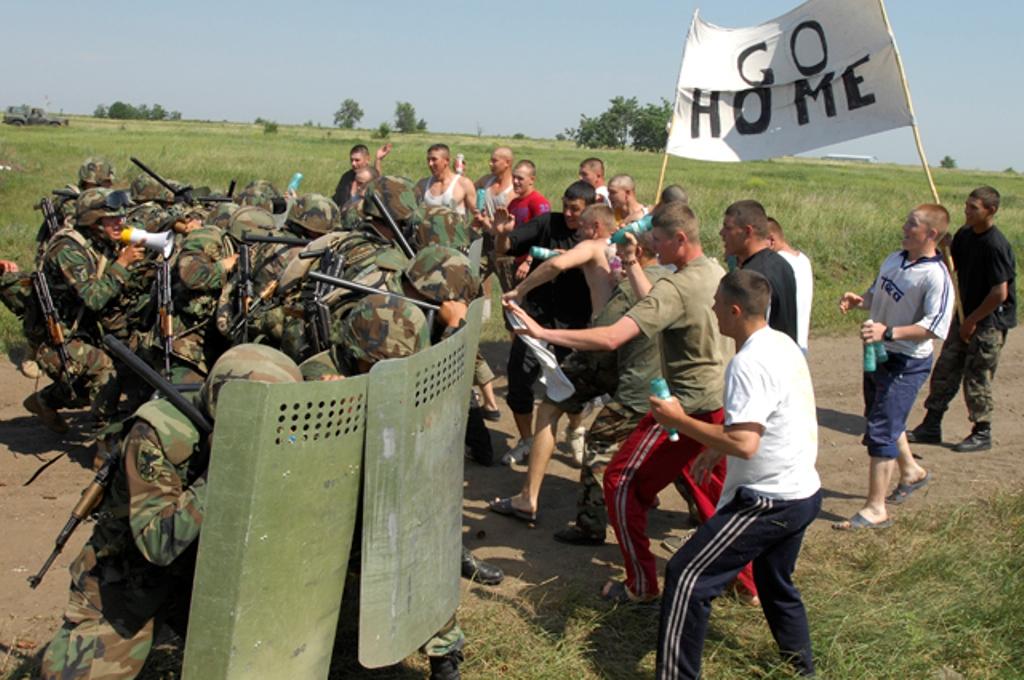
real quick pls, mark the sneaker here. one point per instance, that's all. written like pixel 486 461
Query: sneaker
pixel 519 453
pixel 576 439
pixel 51 419
pixel 30 369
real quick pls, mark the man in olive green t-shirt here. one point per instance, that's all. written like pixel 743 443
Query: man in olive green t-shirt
pixel 676 309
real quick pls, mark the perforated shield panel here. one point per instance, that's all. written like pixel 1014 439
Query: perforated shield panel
pixel 273 552
pixel 412 501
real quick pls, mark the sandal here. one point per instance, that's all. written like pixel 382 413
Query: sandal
pixel 503 506
pixel 616 592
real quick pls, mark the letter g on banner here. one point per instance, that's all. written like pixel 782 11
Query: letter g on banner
pixel 767 73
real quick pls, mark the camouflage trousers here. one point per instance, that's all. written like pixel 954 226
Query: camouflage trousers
pixel 94 379
pixel 972 363
pixel 88 648
pixel 445 641
pixel 613 424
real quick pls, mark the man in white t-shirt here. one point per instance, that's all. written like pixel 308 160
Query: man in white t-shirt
pixel 592 172
pixel 771 493
pixel 804 276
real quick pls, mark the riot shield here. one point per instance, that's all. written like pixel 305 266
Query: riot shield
pixel 273 552
pixel 412 495
pixel 476 249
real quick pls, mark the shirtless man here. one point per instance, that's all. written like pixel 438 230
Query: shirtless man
pixel 499 182
pixel 622 192
pixel 443 187
pixel 591 255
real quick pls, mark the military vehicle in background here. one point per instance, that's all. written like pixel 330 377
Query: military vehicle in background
pixel 31 115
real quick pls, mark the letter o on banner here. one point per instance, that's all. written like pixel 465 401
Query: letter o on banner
pixel 819 66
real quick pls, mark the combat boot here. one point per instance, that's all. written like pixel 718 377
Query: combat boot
pixel 51 419
pixel 477 570
pixel 929 431
pixel 446 667
pixel 980 439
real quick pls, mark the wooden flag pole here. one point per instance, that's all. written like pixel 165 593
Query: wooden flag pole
pixel 920 152
pixel 672 119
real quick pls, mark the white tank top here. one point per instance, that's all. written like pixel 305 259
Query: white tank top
pixel 446 199
pixel 494 201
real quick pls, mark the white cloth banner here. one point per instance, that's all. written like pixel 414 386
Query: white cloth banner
pixel 822 73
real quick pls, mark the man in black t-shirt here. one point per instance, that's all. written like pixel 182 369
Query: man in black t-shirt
pixel 986 271
pixel 358 158
pixel 745 234
pixel 562 303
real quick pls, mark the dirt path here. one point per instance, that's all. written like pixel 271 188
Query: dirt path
pixel 33 515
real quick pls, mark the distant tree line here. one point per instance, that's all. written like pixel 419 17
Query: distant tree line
pixel 121 111
pixel 350 113
pixel 625 123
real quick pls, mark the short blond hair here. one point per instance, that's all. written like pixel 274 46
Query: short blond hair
pixel 935 216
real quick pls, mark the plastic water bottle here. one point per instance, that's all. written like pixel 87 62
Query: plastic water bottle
pixel 659 389
pixel 881 356
pixel 481 199
pixel 460 164
pixel 293 186
pixel 538 253
pixel 636 228
pixel 870 358
pixel 731 262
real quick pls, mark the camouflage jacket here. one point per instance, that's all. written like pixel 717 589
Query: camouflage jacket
pixel 84 279
pixel 201 276
pixel 142 546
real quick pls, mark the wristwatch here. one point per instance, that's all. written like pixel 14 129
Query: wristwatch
pixel 887 335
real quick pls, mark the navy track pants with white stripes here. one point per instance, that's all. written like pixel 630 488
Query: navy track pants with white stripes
pixel 749 527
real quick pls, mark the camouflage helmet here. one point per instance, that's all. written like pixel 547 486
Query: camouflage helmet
pixel 149 217
pixel 259 363
pixel 251 219
pixel 381 327
pixel 97 171
pixel 396 193
pixel 93 204
pixel 440 274
pixel 259 192
pixel 315 213
pixel 145 188
pixel 221 215
pixel 440 226
pixel 352 215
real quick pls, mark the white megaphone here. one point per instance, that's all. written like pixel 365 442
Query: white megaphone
pixel 161 243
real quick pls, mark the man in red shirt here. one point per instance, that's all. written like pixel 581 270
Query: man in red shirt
pixel 527 204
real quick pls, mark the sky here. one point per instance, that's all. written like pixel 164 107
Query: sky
pixel 526 66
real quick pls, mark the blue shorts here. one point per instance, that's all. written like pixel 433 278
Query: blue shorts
pixel 889 394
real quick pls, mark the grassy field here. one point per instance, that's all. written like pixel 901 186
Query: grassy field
pixel 845 216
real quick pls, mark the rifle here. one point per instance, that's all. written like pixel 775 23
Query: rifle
pixel 428 308
pixel 231 190
pixel 283 240
pixel 182 194
pixel 93 494
pixel 50 217
pixel 332 264
pixel 165 307
pixel 90 500
pixel 399 236
pixel 53 327
pixel 245 290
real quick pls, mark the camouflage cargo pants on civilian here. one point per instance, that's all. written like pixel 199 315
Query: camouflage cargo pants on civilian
pixel 972 363
pixel 614 422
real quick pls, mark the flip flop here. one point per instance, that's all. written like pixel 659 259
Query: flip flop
pixel 858 522
pixel 503 506
pixel 903 491
pixel 616 592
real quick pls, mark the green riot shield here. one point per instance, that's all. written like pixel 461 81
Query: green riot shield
pixel 476 249
pixel 412 495
pixel 274 548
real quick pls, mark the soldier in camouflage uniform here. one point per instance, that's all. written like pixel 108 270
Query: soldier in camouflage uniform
pixel 260 193
pixel 203 264
pixel 145 189
pixel 136 568
pixel 383 327
pixel 86 279
pixel 267 262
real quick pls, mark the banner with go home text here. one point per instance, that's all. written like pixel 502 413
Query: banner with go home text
pixel 823 73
